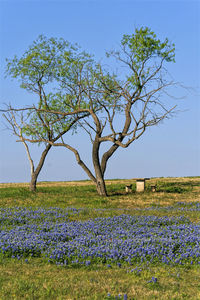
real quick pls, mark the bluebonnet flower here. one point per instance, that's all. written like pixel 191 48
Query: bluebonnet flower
pixel 48 233
pixel 88 262
pixel 153 279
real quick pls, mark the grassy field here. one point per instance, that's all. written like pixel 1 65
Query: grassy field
pixel 176 204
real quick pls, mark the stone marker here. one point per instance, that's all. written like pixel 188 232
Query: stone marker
pixel 140 184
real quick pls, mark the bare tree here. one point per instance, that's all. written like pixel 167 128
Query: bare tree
pixel 16 126
pixel 20 124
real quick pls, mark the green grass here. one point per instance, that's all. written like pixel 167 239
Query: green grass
pixel 37 280
pixel 41 280
pixel 168 191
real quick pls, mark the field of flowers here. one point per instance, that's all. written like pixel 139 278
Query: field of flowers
pixel 66 242
pixel 51 234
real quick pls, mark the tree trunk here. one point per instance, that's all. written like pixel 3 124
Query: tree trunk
pixel 33 182
pixel 35 173
pixel 101 187
pixel 100 182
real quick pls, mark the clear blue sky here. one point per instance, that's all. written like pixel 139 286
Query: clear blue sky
pixel 172 148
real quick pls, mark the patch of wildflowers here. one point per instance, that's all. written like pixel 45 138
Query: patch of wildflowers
pixel 120 239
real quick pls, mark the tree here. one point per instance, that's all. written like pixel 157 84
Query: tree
pixel 119 107
pixel 131 102
pixel 20 124
pixel 17 130
pixel 37 71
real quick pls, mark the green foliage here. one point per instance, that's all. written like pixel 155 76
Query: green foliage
pixel 144 44
pixel 71 86
pixel 143 53
pixel 43 123
pixel 39 62
pixel 55 71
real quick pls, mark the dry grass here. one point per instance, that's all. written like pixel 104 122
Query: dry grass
pixel 63 183
pixel 89 182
